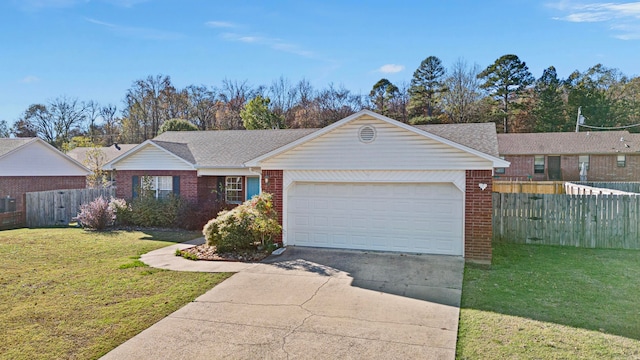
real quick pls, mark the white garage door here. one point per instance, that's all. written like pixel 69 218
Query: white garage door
pixel 421 218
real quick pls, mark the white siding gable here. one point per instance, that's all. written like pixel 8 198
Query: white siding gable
pixel 39 159
pixel 150 157
pixel 393 148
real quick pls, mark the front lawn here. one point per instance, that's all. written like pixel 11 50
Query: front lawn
pixel 70 294
pixel 547 302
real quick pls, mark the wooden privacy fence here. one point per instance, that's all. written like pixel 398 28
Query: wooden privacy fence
pixel 529 187
pixel 592 221
pixel 58 207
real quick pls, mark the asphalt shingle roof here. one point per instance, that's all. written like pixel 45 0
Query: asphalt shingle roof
pixel 226 148
pixel 9 144
pixel 80 153
pixel 232 148
pixel 478 136
pixel 569 143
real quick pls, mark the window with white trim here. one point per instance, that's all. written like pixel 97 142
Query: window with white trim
pixel 500 170
pixel 538 164
pixel 583 159
pixel 159 186
pixel 233 189
pixel 622 160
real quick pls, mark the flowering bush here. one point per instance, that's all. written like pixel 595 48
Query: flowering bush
pixel 121 211
pixel 96 215
pixel 253 222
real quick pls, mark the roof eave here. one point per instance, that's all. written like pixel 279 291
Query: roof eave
pixel 110 164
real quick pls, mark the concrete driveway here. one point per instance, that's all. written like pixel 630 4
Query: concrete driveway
pixel 312 304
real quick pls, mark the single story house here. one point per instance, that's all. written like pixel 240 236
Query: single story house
pixel 606 155
pixel 365 182
pixel 93 157
pixel 31 164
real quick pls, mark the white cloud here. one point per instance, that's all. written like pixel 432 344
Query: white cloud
pixel 220 24
pixel 390 68
pixel 624 18
pixel 137 32
pixel 273 43
pixel 29 79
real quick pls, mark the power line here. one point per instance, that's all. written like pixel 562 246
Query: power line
pixel 609 128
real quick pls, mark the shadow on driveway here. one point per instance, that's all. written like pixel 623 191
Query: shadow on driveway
pixel 433 278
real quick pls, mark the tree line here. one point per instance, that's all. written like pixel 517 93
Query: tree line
pixel 505 92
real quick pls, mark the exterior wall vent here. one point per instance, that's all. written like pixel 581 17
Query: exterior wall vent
pixel 367 134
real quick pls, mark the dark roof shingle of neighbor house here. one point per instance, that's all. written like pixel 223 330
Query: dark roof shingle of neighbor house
pixel 569 143
pixel 79 154
pixel 9 144
pixel 478 136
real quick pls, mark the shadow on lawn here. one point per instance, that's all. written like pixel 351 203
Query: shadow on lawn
pixel 593 289
pixel 154 234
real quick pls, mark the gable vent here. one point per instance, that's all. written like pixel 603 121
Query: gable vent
pixel 367 134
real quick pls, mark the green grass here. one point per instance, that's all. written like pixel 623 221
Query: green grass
pixel 547 302
pixel 71 294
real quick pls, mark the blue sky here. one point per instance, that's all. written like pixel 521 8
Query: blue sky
pixel 95 49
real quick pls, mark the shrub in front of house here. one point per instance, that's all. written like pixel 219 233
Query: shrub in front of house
pixel 96 215
pixel 147 211
pixel 122 211
pixel 195 216
pixel 247 225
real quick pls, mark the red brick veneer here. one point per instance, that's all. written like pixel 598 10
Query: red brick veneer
pixel 478 230
pixel 274 187
pixel 188 182
pixel 601 168
pixel 17 186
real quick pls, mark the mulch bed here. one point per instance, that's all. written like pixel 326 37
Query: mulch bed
pixel 206 252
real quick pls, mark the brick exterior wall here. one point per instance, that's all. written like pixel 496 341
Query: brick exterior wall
pixel 274 187
pixel 188 182
pixel 17 186
pixel 605 168
pixel 478 230
pixel 601 168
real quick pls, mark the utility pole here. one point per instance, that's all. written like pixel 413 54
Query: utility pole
pixel 580 119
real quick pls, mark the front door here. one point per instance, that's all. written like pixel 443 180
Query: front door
pixel 253 186
pixel 555 173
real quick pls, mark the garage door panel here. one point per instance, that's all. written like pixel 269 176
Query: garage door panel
pixel 423 218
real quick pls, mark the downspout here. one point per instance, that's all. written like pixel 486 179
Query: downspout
pixel 259 173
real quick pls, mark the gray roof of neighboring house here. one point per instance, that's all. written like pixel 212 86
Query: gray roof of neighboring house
pixel 226 148
pixel 110 152
pixel 9 144
pixel 478 136
pixel 569 143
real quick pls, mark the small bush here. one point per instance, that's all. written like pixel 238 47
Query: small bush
pixel 96 215
pixel 186 255
pixel 121 210
pixel 195 216
pixel 148 211
pixel 253 222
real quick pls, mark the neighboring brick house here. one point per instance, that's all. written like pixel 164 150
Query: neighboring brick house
pixel 365 182
pixel 30 164
pixel 607 156
pixel 91 157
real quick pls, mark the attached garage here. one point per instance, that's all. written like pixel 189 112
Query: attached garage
pixel 405 217
pixel 368 182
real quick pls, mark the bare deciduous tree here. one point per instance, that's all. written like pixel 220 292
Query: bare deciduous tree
pixel 461 101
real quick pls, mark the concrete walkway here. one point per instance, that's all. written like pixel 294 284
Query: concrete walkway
pixel 311 304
